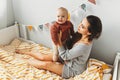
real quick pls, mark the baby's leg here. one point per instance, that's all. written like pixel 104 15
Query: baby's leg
pixel 55 53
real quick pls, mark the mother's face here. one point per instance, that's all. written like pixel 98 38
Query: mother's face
pixel 83 27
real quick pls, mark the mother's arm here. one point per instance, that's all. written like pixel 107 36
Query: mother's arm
pixel 76 51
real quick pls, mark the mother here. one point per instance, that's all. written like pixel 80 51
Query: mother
pixel 72 60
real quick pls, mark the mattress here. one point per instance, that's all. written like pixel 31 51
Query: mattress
pixel 13 66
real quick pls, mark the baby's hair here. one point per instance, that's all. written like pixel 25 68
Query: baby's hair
pixel 63 9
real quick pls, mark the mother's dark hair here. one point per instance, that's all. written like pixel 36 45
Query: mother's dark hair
pixel 95 28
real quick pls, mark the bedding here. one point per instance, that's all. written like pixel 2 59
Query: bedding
pixel 96 70
pixel 13 66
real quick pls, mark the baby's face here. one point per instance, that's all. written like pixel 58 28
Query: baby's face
pixel 62 16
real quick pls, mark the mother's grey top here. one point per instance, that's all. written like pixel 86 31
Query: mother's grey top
pixel 75 58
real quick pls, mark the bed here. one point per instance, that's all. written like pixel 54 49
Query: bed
pixel 13 66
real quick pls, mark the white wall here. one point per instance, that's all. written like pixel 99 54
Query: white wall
pixel 109 43
pixel 6 13
pixel 10 13
pixel 3 11
pixel 40 11
pixel 35 12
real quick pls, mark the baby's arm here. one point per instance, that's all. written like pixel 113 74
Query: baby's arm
pixel 54 34
pixel 54 37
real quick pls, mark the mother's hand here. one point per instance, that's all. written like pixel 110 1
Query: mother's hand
pixel 59 38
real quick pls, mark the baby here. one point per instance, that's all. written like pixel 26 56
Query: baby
pixel 62 24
